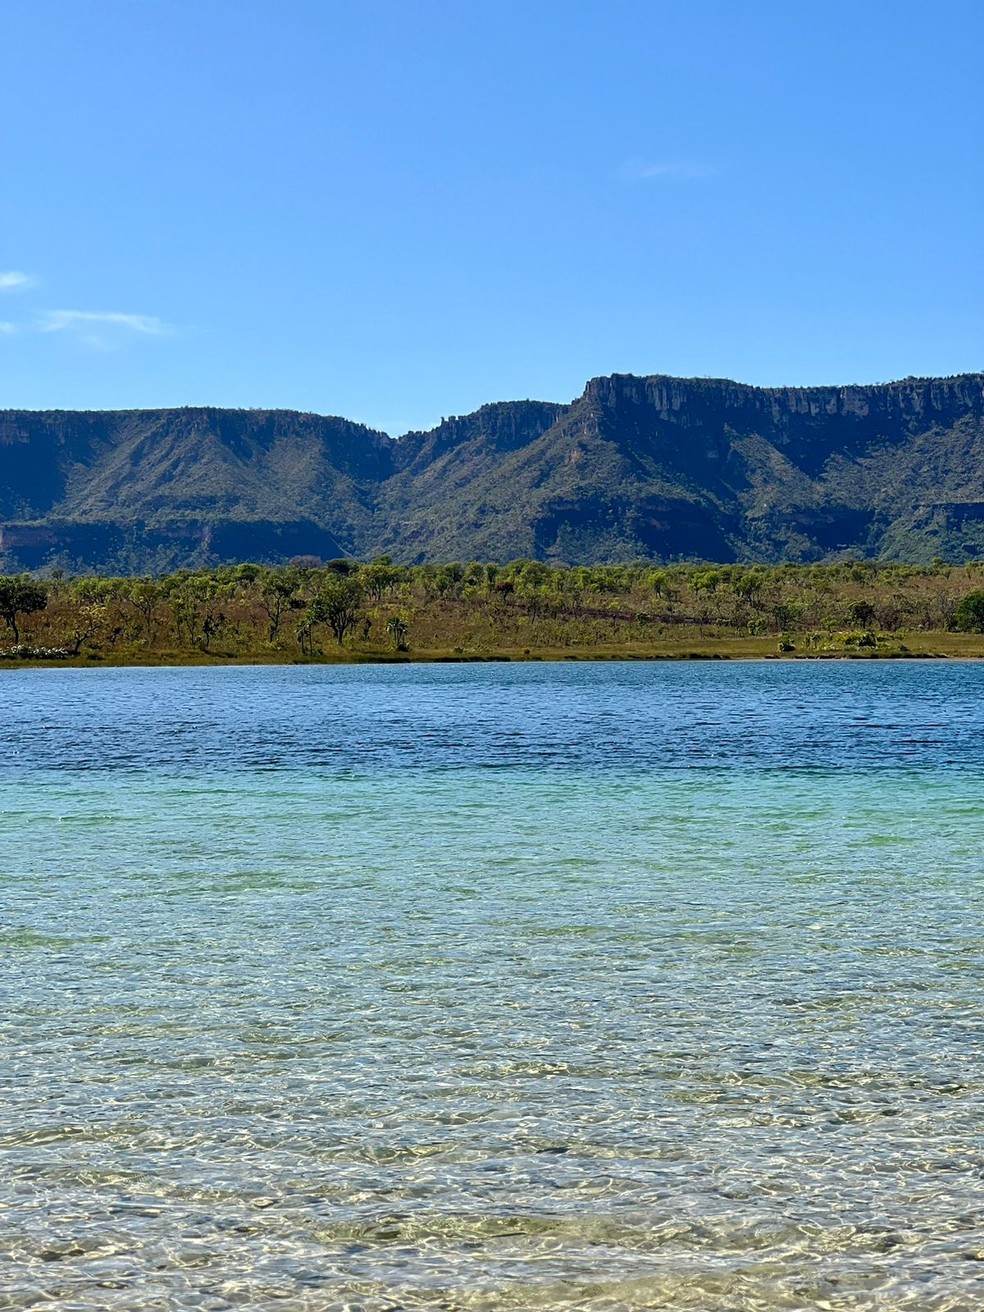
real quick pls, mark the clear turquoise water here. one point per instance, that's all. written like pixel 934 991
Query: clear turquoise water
pixel 567 986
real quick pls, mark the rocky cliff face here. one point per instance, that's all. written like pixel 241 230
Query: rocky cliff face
pixel 656 467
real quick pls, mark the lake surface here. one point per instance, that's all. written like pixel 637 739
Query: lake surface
pixel 493 987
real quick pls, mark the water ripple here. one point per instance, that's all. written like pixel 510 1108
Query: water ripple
pixel 309 1007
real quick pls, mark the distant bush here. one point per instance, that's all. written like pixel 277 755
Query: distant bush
pixel 969 615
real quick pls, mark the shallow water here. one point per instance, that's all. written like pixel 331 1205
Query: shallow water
pixel 480 987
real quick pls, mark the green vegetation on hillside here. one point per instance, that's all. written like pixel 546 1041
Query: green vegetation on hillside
pixel 347 611
pixel 656 468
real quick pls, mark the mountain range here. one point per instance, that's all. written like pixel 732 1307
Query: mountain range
pixel 635 468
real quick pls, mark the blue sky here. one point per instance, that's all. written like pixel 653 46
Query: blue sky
pixel 396 211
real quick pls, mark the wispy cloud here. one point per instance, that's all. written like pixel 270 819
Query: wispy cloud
pixel 636 170
pixel 56 321
pixel 102 329
pixel 13 280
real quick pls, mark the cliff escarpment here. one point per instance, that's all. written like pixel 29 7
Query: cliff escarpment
pixel 655 467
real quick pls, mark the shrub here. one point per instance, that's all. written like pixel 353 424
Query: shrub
pixel 969 615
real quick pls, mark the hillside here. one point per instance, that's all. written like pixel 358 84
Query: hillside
pixel 656 467
pixel 157 489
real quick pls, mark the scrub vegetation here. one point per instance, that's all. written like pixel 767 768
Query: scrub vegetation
pixel 344 610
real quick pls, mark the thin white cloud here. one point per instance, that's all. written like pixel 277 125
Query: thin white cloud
pixel 103 330
pixel 13 280
pixel 640 171
pixel 56 321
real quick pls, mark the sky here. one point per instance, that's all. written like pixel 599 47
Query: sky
pixel 397 210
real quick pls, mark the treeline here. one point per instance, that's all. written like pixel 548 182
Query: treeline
pixel 346 609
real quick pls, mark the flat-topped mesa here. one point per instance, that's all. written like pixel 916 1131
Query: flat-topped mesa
pixel 190 460
pixel 636 467
pixel 807 425
pixel 693 401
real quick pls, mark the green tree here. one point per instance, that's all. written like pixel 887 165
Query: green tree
pixel 749 585
pixel 337 604
pixel 449 578
pixel 379 576
pixel 20 595
pixel 197 606
pixel 969 614
pixel 89 618
pixel 276 591
pixel 143 595
pixel 861 612
pixel 705 580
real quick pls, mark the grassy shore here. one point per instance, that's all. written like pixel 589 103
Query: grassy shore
pixel 345 612
pixel 921 646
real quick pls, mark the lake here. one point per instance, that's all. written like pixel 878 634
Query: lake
pixel 554 986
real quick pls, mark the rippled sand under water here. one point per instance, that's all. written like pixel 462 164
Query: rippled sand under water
pixel 478 988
